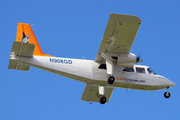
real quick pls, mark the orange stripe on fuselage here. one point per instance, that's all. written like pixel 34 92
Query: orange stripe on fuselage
pixel 26 28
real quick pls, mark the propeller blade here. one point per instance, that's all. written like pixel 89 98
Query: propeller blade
pixel 138 59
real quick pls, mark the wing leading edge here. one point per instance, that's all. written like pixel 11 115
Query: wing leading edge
pixel 119 35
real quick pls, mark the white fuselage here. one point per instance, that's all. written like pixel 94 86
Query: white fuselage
pixel 87 71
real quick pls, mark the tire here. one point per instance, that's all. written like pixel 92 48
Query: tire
pixel 111 80
pixel 167 95
pixel 102 100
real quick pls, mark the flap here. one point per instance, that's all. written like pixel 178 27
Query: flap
pixel 91 93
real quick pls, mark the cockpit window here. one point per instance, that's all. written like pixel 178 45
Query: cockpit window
pixel 140 70
pixel 128 69
pixel 150 71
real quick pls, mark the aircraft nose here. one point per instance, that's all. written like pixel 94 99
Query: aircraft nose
pixel 171 83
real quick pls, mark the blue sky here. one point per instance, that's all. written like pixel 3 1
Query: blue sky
pixel 74 29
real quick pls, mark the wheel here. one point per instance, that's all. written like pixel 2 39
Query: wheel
pixel 167 94
pixel 111 80
pixel 103 100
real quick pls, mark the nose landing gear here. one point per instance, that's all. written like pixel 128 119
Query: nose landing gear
pixel 167 94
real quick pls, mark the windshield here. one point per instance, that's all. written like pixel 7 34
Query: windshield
pixel 150 71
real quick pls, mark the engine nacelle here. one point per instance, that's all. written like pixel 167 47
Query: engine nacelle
pixel 126 60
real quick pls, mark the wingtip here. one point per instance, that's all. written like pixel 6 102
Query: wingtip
pixel 124 18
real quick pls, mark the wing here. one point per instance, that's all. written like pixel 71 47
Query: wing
pixel 119 34
pixel 91 93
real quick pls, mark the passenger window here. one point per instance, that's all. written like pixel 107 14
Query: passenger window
pixel 140 70
pixel 128 69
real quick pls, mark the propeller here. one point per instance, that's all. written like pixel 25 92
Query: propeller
pixel 138 60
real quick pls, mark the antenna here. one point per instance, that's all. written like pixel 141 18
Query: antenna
pixel 83 57
pixel 127 91
pixel 32 25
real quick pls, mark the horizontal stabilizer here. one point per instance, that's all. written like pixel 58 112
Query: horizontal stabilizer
pixel 91 93
pixel 18 66
pixel 20 49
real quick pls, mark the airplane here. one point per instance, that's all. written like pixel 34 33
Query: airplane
pixel 113 67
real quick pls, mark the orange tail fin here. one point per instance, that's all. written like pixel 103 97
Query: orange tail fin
pixel 26 34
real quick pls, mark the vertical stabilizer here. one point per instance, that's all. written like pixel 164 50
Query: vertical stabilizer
pixel 25 34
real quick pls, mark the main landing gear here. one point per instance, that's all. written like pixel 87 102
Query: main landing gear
pixel 110 67
pixel 110 71
pixel 111 79
pixel 167 94
pixel 102 100
pixel 101 94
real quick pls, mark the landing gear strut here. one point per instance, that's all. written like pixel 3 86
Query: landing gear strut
pixel 167 94
pixel 110 69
